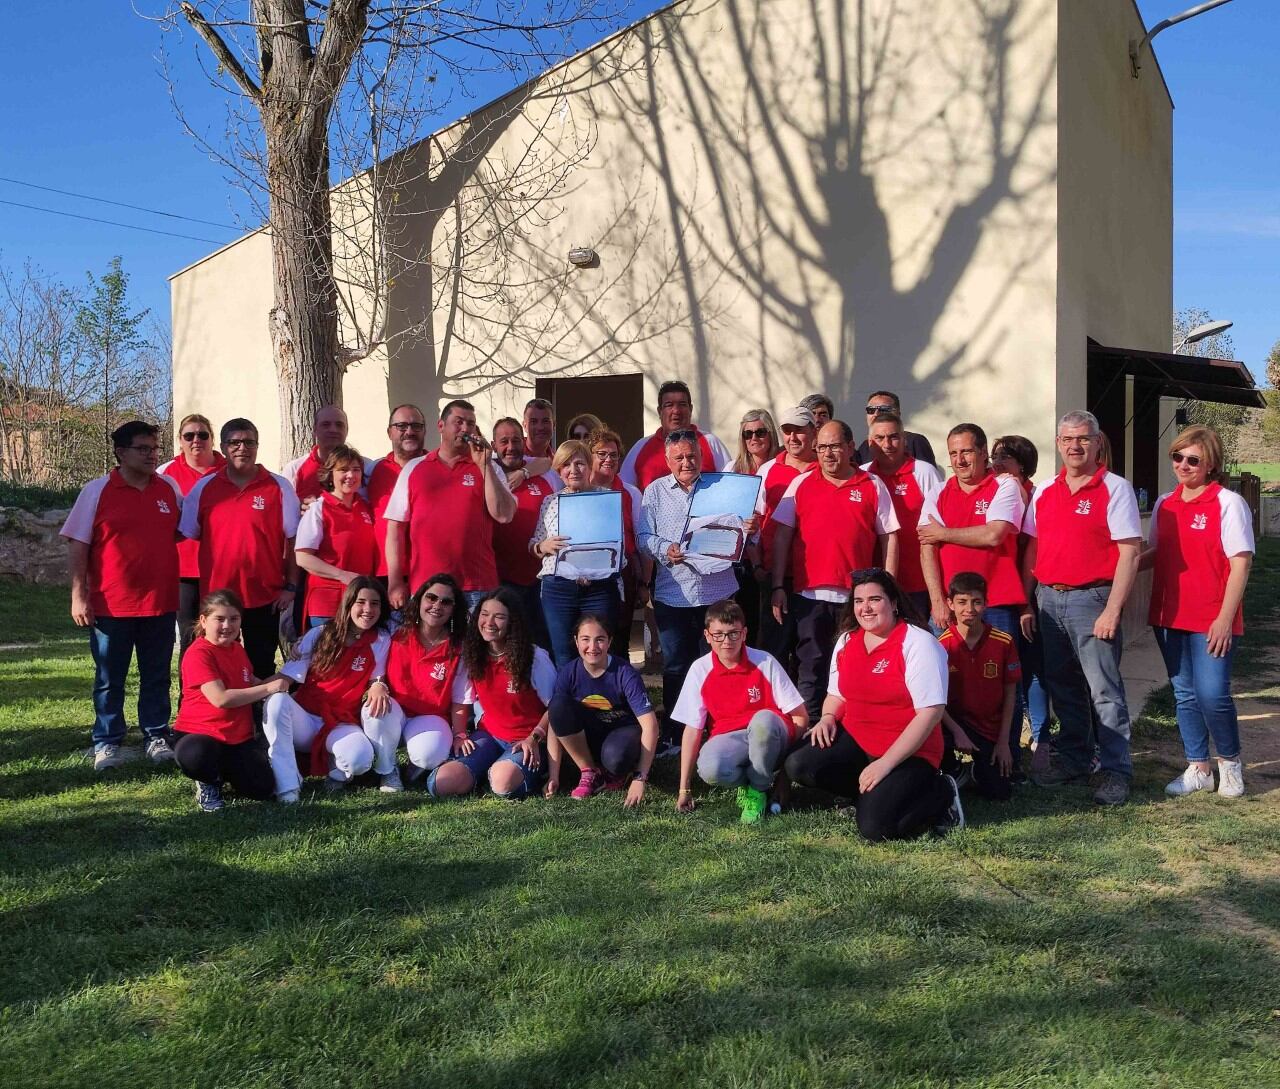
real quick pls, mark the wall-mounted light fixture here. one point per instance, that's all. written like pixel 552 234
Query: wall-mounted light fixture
pixel 1136 46
pixel 583 257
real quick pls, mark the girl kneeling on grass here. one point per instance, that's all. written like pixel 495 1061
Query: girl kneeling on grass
pixel 601 716
pixel 341 672
pixel 512 681
pixel 213 734
pixel 887 689
pixel 432 696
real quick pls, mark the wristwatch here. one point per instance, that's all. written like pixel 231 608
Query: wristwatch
pixel 641 777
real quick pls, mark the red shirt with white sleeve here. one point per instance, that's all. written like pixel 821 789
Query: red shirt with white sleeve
pixel 646 461
pixel 777 476
pixel 381 477
pixel 836 528
pixel 1194 541
pixel 730 696
pixel 909 486
pixel 304 474
pixel 1077 531
pixel 132 536
pixel 976 678
pixel 884 687
pixel 343 537
pixel 995 499
pixel 510 712
pixel 447 520
pixel 243 533
pixel 204 662
pixel 515 562
pixel 187 478
pixel 426 681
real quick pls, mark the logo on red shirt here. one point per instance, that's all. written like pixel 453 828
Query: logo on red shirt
pixel 534 489
pixel 359 662
pixel 1084 506
pixel 247 677
pixel 367 520
pixel 981 507
pixel 1199 521
pixel 990 670
pixel 259 502
pixel 468 480
pixel 754 694
pixel 163 507
pixel 880 666
pixel 438 671
pixel 855 496
pixel 511 687
pixel 899 489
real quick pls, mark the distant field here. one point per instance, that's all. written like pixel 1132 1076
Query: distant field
pixel 1267 471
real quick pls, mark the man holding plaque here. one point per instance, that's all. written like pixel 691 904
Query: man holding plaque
pixel 830 523
pixel 682 589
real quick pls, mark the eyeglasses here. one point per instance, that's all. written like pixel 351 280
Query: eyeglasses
pixel 876 410
pixel 1193 460
pixel 436 599
pixel 191 436
pixel 757 433
pixel 145 451
pixel 830 447
pixel 729 636
pixel 236 444
pixel 606 455
pixel 403 427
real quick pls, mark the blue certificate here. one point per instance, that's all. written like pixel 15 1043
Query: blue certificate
pixel 720 506
pixel 593 523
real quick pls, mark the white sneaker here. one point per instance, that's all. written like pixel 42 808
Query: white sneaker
pixel 159 750
pixel 109 756
pixel 390 783
pixel 954 818
pixel 1190 781
pixel 1230 778
pixel 288 797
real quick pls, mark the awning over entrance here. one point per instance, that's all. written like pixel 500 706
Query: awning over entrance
pixel 1193 377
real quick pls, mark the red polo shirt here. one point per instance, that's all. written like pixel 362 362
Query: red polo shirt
pixel 777 476
pixel 382 479
pixel 203 662
pixel 909 487
pixel 1077 531
pixel 976 678
pixel 646 461
pixel 447 520
pixel 187 478
pixel 882 688
pixel 243 533
pixel 511 541
pixel 995 499
pixel 836 526
pixel 426 682
pixel 509 711
pixel 341 536
pixel 304 474
pixel 1194 541
pixel 730 696
pixel 132 536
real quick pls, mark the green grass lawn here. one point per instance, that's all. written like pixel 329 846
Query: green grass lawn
pixel 369 941
pixel 1266 471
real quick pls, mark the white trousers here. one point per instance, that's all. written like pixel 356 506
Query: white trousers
pixel 428 739
pixel 352 749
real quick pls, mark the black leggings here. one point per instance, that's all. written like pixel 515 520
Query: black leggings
pixel 907 802
pixel 614 742
pixel 244 766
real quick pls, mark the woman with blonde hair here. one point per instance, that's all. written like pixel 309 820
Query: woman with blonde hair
pixel 1200 546
pixel 758 441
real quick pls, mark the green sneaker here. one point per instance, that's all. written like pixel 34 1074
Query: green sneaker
pixel 753 803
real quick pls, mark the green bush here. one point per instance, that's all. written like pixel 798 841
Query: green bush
pixel 34 498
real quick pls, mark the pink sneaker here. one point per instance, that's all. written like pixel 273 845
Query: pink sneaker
pixel 591 782
pixel 616 782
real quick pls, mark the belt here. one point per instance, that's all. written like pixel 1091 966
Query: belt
pixel 1063 588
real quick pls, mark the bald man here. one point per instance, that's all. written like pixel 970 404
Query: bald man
pixel 330 430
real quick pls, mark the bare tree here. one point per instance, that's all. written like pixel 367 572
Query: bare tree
pixel 321 90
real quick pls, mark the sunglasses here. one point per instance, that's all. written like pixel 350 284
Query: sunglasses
pixel 436 599
pixel 1178 457
pixel 757 433
pixel 191 436
pixel 876 410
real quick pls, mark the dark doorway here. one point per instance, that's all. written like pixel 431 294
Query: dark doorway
pixel 618 399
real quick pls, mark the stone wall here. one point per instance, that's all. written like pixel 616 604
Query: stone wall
pixel 30 548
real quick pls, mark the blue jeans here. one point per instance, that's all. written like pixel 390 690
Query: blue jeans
pixel 472 598
pixel 1034 692
pixel 564 600
pixel 489 751
pixel 1083 674
pixel 1202 692
pixel 112 642
pixel 680 630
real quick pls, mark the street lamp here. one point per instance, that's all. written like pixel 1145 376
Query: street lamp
pixel 1135 46
pixel 1201 332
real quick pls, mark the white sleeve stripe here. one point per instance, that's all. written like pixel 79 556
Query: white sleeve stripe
pixel 84 512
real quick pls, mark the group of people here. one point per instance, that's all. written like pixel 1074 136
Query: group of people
pixel 881 638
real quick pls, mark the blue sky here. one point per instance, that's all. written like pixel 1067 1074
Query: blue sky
pixel 85 110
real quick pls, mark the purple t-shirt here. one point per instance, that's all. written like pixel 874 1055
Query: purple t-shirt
pixel 615 697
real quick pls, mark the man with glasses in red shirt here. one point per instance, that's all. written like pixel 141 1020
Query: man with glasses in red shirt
pixel 646 461
pixel 122 549
pixel 407 430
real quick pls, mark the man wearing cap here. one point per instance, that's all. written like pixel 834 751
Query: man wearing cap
pixel 918 447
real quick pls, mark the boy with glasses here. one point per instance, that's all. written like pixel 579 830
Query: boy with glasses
pixel 122 550
pixel 755 711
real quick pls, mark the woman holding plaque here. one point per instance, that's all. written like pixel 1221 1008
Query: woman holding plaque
pixel 566 591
